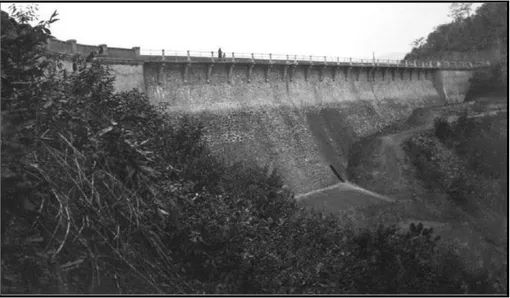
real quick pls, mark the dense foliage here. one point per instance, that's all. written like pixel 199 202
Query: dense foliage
pixel 101 193
pixel 466 160
pixel 486 29
pixel 458 156
pixel 491 81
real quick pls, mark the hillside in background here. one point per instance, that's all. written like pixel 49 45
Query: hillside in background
pixel 479 36
pixel 392 55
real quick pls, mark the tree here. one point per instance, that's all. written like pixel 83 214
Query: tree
pixel 460 11
pixel 485 30
pixel 418 43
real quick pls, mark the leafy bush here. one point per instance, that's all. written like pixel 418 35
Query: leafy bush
pixel 489 81
pixel 442 129
pixel 480 141
pixel 78 172
pixel 236 252
pixel 437 166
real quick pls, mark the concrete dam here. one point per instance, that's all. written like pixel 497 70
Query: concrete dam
pixel 297 117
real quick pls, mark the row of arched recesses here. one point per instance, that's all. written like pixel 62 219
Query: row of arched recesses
pixel 288 71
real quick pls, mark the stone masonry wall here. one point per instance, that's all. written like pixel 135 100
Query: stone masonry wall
pixel 299 127
pixel 128 76
pixel 455 83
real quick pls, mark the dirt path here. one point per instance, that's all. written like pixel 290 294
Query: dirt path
pixel 382 166
pixel 395 140
pixel 341 196
pixel 344 187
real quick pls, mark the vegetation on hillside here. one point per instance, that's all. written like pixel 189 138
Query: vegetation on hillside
pixel 467 160
pixel 460 157
pixel 101 194
pixel 486 29
pixel 491 81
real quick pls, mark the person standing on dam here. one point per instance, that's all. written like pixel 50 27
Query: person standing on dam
pixel 220 55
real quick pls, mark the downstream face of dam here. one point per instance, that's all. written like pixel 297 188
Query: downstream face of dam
pixel 299 120
pixel 300 128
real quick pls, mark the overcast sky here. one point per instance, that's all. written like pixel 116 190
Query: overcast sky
pixel 332 29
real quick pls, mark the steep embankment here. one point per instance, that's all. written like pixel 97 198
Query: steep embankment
pixel 379 164
pixel 476 224
pixel 302 127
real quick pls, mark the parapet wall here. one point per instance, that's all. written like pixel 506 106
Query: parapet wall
pixel 71 47
pixel 296 118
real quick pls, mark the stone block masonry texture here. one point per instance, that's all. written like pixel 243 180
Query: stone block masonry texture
pixel 301 127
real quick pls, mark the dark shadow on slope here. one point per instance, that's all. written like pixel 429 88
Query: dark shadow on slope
pixel 333 136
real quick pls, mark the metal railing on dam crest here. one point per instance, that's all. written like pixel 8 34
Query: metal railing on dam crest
pixel 148 55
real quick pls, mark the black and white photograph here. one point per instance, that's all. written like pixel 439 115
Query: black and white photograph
pixel 254 148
